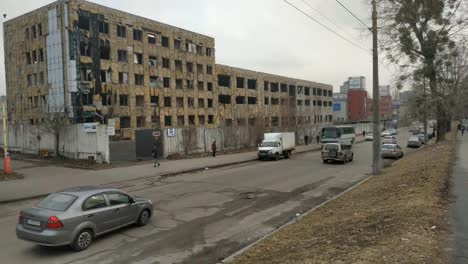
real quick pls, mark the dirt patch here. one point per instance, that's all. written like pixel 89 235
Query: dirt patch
pixel 179 156
pixel 11 176
pixel 399 216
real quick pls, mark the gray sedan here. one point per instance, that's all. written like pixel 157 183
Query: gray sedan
pixel 391 151
pixel 76 216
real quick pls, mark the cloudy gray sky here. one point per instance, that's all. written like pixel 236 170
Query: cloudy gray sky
pixel 261 35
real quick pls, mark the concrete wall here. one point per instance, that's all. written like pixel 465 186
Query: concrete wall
pixel 74 143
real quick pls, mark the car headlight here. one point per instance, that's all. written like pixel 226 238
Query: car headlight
pixel 150 202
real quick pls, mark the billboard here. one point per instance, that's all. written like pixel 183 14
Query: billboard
pixel 354 83
pixel 384 90
pixel 395 104
pixel 336 107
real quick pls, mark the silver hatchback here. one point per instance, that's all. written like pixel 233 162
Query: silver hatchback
pixel 76 216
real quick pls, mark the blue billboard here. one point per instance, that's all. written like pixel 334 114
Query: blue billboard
pixel 336 107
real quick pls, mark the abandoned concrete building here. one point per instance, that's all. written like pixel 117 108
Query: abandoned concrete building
pixel 91 63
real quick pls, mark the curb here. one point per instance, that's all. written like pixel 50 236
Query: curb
pixel 244 249
pixel 168 174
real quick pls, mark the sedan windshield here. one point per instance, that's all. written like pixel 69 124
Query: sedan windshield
pixel 268 144
pixel 388 146
pixel 57 202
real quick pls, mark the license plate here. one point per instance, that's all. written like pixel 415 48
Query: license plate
pixel 33 222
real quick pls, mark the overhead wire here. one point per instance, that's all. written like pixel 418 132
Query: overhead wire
pixel 326 27
pixel 349 11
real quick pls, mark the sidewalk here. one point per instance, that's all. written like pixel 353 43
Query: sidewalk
pixel 41 179
pixel 459 208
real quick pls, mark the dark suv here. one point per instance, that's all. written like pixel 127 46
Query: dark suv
pixel 337 152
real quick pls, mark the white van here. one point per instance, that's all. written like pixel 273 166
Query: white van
pixel 338 134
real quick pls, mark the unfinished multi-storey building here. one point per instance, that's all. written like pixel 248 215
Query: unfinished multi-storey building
pixel 90 63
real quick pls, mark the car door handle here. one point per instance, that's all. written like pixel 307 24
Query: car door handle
pixel 90 215
pixel 117 210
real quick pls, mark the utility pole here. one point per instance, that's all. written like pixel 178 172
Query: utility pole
pixel 6 160
pixel 376 163
pixel 425 110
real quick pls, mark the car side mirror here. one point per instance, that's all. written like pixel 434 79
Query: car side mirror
pixel 132 200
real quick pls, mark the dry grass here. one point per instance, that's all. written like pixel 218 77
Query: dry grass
pixel 397 217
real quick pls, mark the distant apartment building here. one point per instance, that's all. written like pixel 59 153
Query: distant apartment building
pixel 340 107
pixel 357 105
pixel 91 63
pixel 385 105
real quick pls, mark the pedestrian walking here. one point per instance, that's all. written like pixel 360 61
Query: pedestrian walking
pixel 155 158
pixel 318 139
pixel 306 140
pixel 463 130
pixel 363 133
pixel 213 148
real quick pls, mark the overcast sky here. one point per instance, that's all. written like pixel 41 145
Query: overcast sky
pixel 262 35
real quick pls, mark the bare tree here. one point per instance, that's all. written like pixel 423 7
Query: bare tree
pixel 54 125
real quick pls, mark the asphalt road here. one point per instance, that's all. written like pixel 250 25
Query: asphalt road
pixel 206 216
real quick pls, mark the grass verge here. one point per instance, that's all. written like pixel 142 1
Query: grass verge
pixel 399 216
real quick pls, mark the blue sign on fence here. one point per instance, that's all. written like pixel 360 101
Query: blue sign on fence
pixel 336 107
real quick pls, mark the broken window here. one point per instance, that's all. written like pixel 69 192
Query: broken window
pixel 240 100
pixel 292 90
pixel 252 84
pixel 190 85
pixel 319 103
pixel 177 44
pixel 300 90
pixel 178 65
pixel 28 58
pixel 140 121
pixel 314 103
pixel 330 94
pixel 307 91
pixel 30 82
pixel 86 75
pixel 138 58
pixel 180 120
pixel 103 27
pixel 104 50
pixel 151 38
pixel 284 88
pixel 165 41
pixel 34 57
pixel 106 76
pixel 39 29
pixel 274 87
pixel 265 86
pixel 200 86
pixel 166 82
pixel 140 100
pixel 121 31
pixel 189 46
pixel 201 102
pixel 191 120
pixel 26 33
pixel 319 92
pixel 153 81
pixel 33 31
pixel 152 60
pixel 87 99
pixel 83 22
pixel 201 120
pixel 139 79
pixel 252 100
pixel 299 102
pixel 200 68
pixel 189 67
pixel 209 69
pixel 41 54
pixel 123 100
pixel 154 100
pixel 224 99
pixel 210 119
pixel 122 56
pixel 168 121
pixel 209 86
pixel 224 80
pixel 179 84
pixel 105 99
pixel 124 122
pixel 210 103
pixel 179 101
pixel 167 101
pixel 240 82
pixel 307 102
pixel 190 102
pixel 274 101
pixel 123 77
pixel 199 50
pixel 314 91
pixel 84 49
pixel 267 100
pixel 208 52
pixel 137 35
pixel 165 63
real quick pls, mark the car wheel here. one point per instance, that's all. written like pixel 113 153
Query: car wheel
pixel 83 240
pixel 325 161
pixel 143 218
pixel 352 157
pixel 276 156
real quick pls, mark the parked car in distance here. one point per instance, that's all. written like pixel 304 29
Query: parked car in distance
pixel 414 142
pixel 391 151
pixel 389 140
pixel 421 138
pixel 386 133
pixel 369 136
pixel 75 216
pixel 337 152
pixel 393 132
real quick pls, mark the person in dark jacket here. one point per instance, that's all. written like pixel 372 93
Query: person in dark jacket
pixel 155 158
pixel 213 148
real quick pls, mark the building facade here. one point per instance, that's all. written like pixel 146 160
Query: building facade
pixel 357 105
pixel 91 63
pixel 340 107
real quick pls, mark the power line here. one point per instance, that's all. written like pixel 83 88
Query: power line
pixel 329 20
pixel 329 29
pixel 349 11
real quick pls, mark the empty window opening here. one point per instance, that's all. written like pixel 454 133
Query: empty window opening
pixel 177 44
pixel 123 78
pixel 153 81
pixel 121 31
pixel 34 57
pixel 165 63
pixel 28 58
pixel 83 22
pixel 209 86
pixel 122 56
pixel 314 91
pixel 190 46
pixel 179 101
pixel 85 49
pixel 140 100
pixel 178 65
pixel 267 100
pixel 292 90
pixel 180 120
pixel 274 101
pixel 39 29
pixel 314 103
pixel 105 99
pixel 140 121
pixel 124 122
pixel 167 101
pixel 190 102
pixel 189 67
pixel 240 100
pixel 307 102
pixel 252 84
pixel 224 80
pixel 201 120
pixel 210 119
pixel 154 100
pixel 151 38
pixel 41 78
pixel 191 120
pixel 86 75
pixel 284 88
pixel 299 102
pixel 166 82
pixel 123 100
pixel 190 85
pixel 319 92
pixel 152 60
pixel 179 84
pixel 26 33
pixel 41 54
pixel 201 102
pixel 209 52
pixel 168 121
pixel 274 87
pixel 210 103
pixel 139 79
pixel 106 76
pixel 165 41
pixel 265 86
pixel 137 35
pixel 104 50
pixel 240 82
pixel 300 90
pixel 307 91
pixel 200 86
pixel 138 58
pixel 224 99
pixel 103 27
pixel 252 100
pixel 209 69
pixel 199 50
pixel 33 30
pixel 87 99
